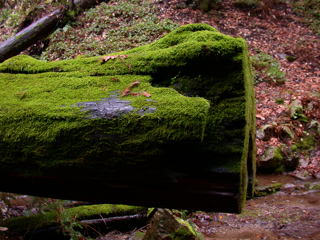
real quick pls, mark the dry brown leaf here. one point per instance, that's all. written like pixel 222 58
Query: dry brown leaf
pixel 260 116
pixel 127 90
pixel 115 79
pixel 146 94
pixel 106 58
pixel 135 83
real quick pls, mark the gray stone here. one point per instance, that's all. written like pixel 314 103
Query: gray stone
pixel 166 226
pixel 271 159
pixel 112 107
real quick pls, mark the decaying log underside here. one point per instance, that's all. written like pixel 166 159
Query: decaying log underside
pixel 36 31
pixel 102 225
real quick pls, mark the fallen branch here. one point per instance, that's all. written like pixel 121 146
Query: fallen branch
pixel 37 30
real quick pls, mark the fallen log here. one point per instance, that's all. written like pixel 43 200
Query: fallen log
pixel 94 219
pixel 37 30
pixel 92 227
pixel 170 124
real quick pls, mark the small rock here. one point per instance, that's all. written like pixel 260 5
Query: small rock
pixel 317 175
pixel 303 163
pixel 271 160
pixel 315 186
pixel 291 162
pixel 264 190
pixel 166 226
pixel 303 175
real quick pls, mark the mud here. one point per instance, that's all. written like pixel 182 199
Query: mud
pixel 291 213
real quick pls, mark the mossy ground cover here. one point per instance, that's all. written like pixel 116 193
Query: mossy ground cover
pixel 48 219
pixel 209 116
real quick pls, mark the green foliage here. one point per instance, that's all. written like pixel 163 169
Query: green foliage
pixel 13 12
pixel 279 101
pixel 275 130
pixel 50 211
pixel 267 68
pixel 68 223
pixel 110 27
pixel 296 111
pixel 310 11
pixel 68 219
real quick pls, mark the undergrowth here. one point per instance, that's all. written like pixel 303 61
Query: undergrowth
pixel 36 205
pixel 310 11
pixel 266 69
pixel 107 28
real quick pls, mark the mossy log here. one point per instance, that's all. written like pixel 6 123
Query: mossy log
pixel 67 131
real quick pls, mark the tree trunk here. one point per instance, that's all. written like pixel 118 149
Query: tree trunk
pixel 68 130
pixel 36 31
pixel 23 39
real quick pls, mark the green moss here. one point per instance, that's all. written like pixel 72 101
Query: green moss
pixel 184 232
pixel 294 148
pixel 209 116
pixel 307 186
pixel 49 219
pixel 307 142
pixel 270 189
pixel 279 101
pixel 279 169
pixel 316 186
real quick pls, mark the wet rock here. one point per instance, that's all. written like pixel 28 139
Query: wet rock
pixel 264 190
pixel 271 160
pixel 166 226
pixel 303 175
pixel 312 186
pixel 290 158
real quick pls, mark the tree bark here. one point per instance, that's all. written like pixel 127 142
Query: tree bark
pixel 26 37
pixel 36 31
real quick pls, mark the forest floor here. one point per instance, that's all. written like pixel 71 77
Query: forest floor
pixel 277 31
pixel 292 213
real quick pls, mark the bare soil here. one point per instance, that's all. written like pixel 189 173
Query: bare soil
pixel 291 213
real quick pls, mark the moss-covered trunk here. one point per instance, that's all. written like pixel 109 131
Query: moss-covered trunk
pixel 189 145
